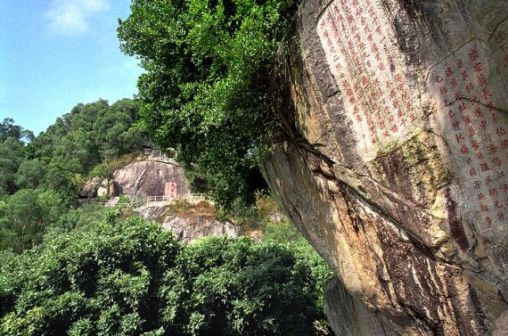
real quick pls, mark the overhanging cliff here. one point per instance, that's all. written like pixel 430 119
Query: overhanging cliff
pixel 398 173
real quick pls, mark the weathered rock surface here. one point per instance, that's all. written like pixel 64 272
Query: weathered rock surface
pixel 191 222
pixel 150 178
pixel 188 229
pixel 395 161
pixel 98 186
pixel 91 187
pixel 152 212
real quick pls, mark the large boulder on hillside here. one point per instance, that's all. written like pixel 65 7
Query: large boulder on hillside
pixel 395 164
pixel 152 178
pixel 99 187
pixel 187 229
pixel 91 187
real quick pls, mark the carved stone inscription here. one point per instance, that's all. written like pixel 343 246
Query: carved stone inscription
pixel 475 128
pixel 171 189
pixel 366 64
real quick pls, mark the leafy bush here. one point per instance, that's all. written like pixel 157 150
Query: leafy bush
pixel 128 277
pixel 101 281
pixel 124 199
pixel 236 287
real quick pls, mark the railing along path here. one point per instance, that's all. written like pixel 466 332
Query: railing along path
pixel 136 202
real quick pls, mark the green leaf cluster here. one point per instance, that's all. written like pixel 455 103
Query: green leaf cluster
pixel 25 216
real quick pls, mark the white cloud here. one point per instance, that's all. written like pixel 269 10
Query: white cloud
pixel 71 17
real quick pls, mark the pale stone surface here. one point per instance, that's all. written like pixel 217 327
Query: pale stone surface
pixel 152 212
pixel 102 191
pixel 98 186
pixel 405 192
pixel 191 226
pixel 187 229
pixel 89 190
pixel 149 178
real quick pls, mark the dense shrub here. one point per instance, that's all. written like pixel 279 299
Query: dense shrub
pixel 128 277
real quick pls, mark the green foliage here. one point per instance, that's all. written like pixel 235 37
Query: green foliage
pixel 58 159
pixel 54 165
pixel 128 277
pixel 30 174
pixel 26 215
pixel 11 151
pixel 235 287
pixel 78 219
pixel 124 199
pixel 8 130
pixel 102 170
pixel 101 281
pixel 205 89
pixel 116 131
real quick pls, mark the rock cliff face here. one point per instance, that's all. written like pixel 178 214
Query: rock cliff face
pixel 395 162
pixel 152 178
pixel 186 230
pixel 193 224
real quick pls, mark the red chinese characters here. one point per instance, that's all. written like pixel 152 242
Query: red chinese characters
pixel 474 130
pixel 367 71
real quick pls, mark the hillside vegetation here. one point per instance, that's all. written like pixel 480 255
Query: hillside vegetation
pixel 40 177
pixel 128 277
pixel 86 270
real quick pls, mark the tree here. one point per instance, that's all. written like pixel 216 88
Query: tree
pixel 237 287
pixel 205 90
pixel 30 174
pixel 77 142
pixel 128 277
pixel 9 130
pixel 11 151
pixel 64 176
pixel 117 134
pixel 26 215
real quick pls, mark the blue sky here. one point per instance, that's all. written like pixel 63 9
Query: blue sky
pixel 57 53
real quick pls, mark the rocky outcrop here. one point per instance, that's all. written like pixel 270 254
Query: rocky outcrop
pixel 187 229
pixel 394 161
pixel 189 221
pixel 91 187
pixel 99 187
pixel 152 212
pixel 152 178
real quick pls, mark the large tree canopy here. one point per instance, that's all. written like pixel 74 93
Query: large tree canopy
pixel 205 86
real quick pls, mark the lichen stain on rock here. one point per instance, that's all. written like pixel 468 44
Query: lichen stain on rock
pixel 454 220
pixel 396 173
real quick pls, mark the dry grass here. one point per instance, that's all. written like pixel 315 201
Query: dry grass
pixel 184 209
